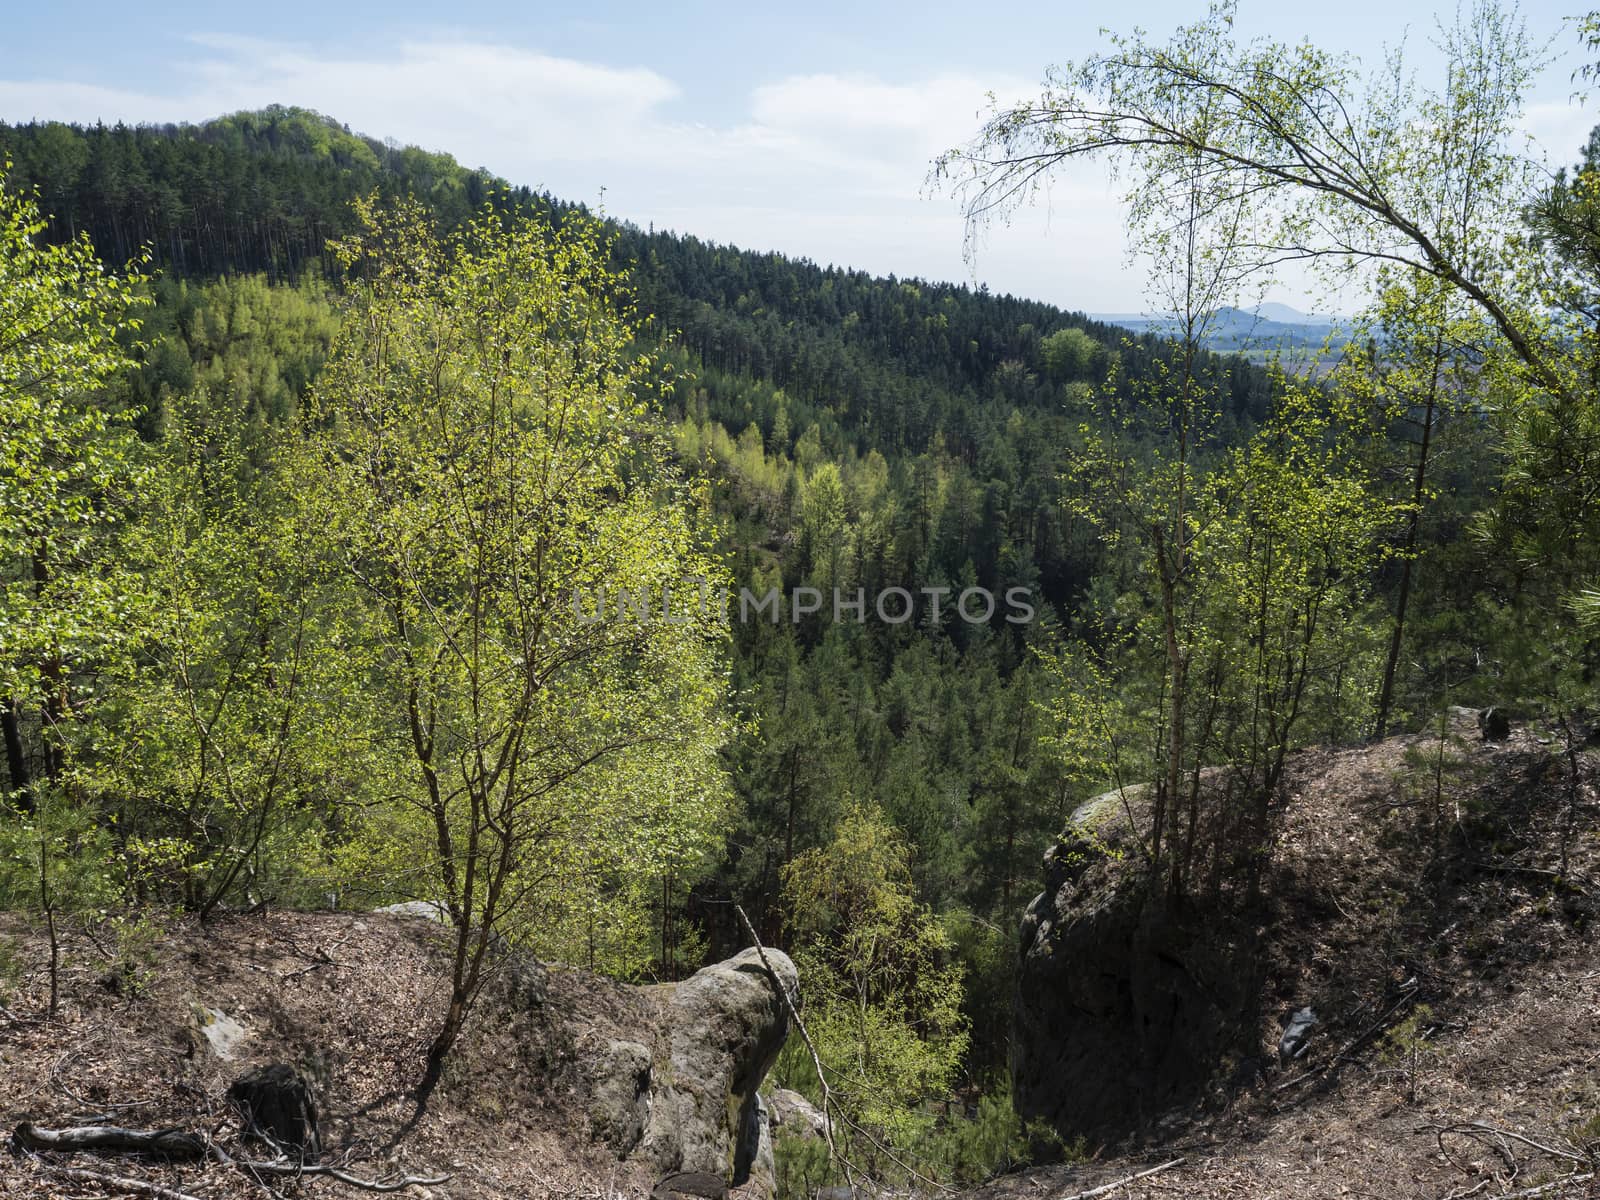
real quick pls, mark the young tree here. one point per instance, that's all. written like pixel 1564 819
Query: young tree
pixel 1418 192
pixel 1269 618
pixel 66 476
pixel 1343 174
pixel 884 1002
pixel 490 473
pixel 1148 479
pixel 1421 367
pixel 223 743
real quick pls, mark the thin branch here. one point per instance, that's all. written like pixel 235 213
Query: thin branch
pixel 1545 1189
pixel 1104 1189
pixel 828 1101
pixel 135 1187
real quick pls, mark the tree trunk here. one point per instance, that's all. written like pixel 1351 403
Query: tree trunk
pixel 443 1042
pixel 53 670
pixel 1413 527
pixel 16 757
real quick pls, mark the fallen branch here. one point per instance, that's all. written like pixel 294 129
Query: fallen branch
pixel 1475 1130
pixel 828 1102
pixel 1471 1191
pixel 1545 1188
pixel 286 1167
pixel 1354 1045
pixel 177 1143
pixel 136 1187
pixel 173 1143
pixel 1562 879
pixel 1104 1188
pixel 295 1169
pixel 322 958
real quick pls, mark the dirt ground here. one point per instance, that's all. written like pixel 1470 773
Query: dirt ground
pixel 1409 883
pixel 353 1000
pixel 1453 882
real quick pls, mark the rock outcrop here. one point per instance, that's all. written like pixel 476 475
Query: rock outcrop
pixel 678 1091
pixel 619 1096
pixel 215 1031
pixel 793 1114
pixel 683 1097
pixel 1122 1009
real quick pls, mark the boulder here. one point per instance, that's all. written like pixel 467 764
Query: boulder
pixel 276 1104
pixel 215 1031
pixel 1105 815
pixel 1296 1035
pixel 526 980
pixel 795 1116
pixel 619 1096
pixel 755 1148
pixel 423 910
pixel 690 1185
pixel 724 1028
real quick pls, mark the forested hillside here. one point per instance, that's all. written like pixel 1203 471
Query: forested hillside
pixel 860 432
pixel 360 511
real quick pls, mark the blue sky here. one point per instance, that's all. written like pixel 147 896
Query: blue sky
pixel 806 129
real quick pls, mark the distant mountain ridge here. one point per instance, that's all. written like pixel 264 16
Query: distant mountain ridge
pixel 1269 327
pixel 882 363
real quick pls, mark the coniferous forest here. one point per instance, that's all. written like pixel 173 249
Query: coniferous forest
pixel 374 531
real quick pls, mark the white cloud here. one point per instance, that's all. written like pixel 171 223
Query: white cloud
pixel 827 166
pixel 1559 130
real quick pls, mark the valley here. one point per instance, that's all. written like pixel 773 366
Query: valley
pixel 500 700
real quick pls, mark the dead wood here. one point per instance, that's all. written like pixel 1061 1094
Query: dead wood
pixel 135 1187
pixel 170 1143
pixel 288 1168
pixel 1105 1188
pixel 178 1143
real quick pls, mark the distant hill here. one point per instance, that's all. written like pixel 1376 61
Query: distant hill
pixel 852 432
pixel 883 363
pixel 1270 328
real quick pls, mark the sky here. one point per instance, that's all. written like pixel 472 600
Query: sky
pixel 805 129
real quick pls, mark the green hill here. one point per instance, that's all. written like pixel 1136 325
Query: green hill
pixel 859 432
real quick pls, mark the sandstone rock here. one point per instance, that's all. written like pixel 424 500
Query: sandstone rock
pixel 425 910
pixel 619 1097
pixel 794 1115
pixel 1107 812
pixel 724 1027
pixel 1122 1011
pixel 526 980
pixel 690 1185
pixel 216 1031
pixel 756 1148
pixel 1296 1033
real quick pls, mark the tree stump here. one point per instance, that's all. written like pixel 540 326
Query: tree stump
pixel 276 1104
pixel 1495 724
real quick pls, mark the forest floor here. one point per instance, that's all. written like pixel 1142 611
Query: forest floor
pixel 1454 880
pixel 1450 873
pixel 351 999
